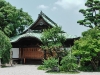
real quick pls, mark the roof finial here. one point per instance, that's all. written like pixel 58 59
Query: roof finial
pixel 41 12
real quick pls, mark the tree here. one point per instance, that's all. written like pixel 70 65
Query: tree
pixel 12 20
pixel 69 62
pixel 88 48
pixel 91 14
pixel 5 47
pixel 53 39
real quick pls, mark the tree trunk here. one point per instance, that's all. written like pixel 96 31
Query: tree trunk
pixel 45 54
pixel 94 65
pixel 51 53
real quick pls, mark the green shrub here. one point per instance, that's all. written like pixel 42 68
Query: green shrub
pixel 85 68
pixel 5 47
pixel 50 63
pixel 88 68
pixel 69 63
pixel 41 67
pixel 99 68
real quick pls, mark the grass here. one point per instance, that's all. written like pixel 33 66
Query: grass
pixel 41 67
pixel 71 72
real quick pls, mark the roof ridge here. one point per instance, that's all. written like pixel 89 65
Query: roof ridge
pixel 42 14
pixel 46 18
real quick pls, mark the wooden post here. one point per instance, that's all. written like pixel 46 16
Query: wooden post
pixel 19 52
pixel 24 60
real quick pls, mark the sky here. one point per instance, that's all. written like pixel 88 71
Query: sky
pixel 63 12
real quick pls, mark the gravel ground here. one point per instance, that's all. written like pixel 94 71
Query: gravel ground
pixel 32 70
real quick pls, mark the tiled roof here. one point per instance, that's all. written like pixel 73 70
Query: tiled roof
pixel 16 38
pixel 36 35
pixel 69 36
pixel 47 19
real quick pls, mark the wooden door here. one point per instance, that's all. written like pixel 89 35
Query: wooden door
pixel 32 53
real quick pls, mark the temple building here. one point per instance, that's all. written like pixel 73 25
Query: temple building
pixel 26 46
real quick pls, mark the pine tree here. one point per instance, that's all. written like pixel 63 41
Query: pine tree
pixel 91 14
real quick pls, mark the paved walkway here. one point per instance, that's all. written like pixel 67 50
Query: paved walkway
pixel 32 70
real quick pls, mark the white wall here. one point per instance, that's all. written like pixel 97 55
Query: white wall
pixel 15 53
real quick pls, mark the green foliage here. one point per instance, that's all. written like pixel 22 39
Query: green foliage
pixel 88 47
pixel 53 39
pixel 69 63
pixel 5 47
pixel 41 67
pixel 86 68
pixel 50 63
pixel 91 14
pixel 13 20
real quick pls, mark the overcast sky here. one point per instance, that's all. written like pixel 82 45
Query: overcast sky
pixel 63 12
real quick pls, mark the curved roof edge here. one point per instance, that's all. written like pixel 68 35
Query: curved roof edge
pixel 38 36
pixel 45 18
pixel 34 35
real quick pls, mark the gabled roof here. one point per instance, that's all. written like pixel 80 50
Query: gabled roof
pixel 38 35
pixel 45 18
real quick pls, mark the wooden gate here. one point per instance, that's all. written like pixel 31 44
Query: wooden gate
pixel 32 53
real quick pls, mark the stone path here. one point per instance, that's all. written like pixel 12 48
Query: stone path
pixel 32 70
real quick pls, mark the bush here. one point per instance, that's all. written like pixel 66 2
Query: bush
pixel 68 63
pixel 50 63
pixel 86 68
pixel 41 67
pixel 5 47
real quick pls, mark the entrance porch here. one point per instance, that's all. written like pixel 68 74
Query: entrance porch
pixel 27 50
